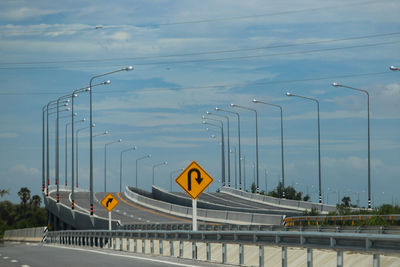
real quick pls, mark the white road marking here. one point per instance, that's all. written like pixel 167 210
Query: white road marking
pixel 24 265
pixel 14 261
pixel 124 256
pixel 5 258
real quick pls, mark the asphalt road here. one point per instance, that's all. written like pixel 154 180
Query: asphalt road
pixel 39 255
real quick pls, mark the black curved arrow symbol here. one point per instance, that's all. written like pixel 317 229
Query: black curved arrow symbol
pixel 109 201
pixel 198 178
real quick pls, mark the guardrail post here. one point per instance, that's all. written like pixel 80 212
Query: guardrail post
pixel 160 246
pixel 121 243
pixel 135 245
pixel 180 249
pixel 284 256
pixel 340 259
pixel 171 248
pixel 114 242
pixel 143 246
pixel 223 253
pixel 261 255
pixel 309 257
pixel 152 246
pixel 128 244
pixel 241 254
pixel 194 251
pixel 376 260
pixel 208 251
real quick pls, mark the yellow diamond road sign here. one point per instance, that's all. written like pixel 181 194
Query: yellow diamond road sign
pixel 109 202
pixel 194 180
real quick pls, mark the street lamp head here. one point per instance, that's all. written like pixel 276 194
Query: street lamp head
pixel 93 124
pixel 335 84
pixel 204 122
pixel 66 104
pixel 129 68
pixel 105 132
pixel 288 94
pixel 87 89
pixel 134 147
pixel 232 105
pixel 165 163
pixel 74 95
pixel 68 109
pixel 107 82
pixel 75 114
pixel 217 109
pixel 120 140
pixel 394 68
pixel 203 117
pixel 208 113
pixel 255 100
pixel 67 100
pixel 83 120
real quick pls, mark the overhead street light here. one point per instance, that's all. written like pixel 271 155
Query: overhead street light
pixel 75 93
pixel 393 68
pixel 229 147
pixel 221 127
pixel 144 157
pixel 91 131
pixel 319 141
pixel 255 112
pixel 240 164
pixel 105 161
pixel 77 155
pixel 170 177
pixel 282 158
pixel 369 138
pixel 66 148
pixel 120 166
pixel 157 165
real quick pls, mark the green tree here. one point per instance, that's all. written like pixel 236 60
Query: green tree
pixel 346 201
pixel 36 201
pixel 25 195
pixel 253 187
pixel 3 192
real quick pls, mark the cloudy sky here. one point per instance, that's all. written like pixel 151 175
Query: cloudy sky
pixel 190 57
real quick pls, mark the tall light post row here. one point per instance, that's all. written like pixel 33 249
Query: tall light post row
pixel 66 147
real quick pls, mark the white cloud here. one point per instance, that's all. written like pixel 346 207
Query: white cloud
pixel 21 169
pixel 26 13
pixel 8 135
pixel 350 162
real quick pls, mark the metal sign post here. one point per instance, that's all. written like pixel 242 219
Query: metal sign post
pixel 109 220
pixel 194 180
pixel 194 218
pixel 109 202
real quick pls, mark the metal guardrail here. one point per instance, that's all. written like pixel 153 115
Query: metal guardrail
pixel 341 219
pixel 375 244
pixel 235 227
pixel 372 243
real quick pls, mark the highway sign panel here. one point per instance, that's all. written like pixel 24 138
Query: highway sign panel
pixel 194 180
pixel 109 202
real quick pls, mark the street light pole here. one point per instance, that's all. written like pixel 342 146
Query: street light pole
pixel 144 157
pixel 229 147
pixel 240 154
pixel 77 153
pixel 105 162
pixel 255 112
pixel 235 166
pixel 120 166
pixel 170 176
pixel 154 166
pixel 393 68
pixel 319 141
pixel 369 139
pixel 66 149
pixel 91 131
pixel 75 94
pixel 223 147
pixel 282 157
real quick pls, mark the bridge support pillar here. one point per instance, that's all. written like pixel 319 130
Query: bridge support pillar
pixel 261 255
pixel 121 244
pixel 151 246
pixel 376 260
pixel 194 251
pixel 208 251
pixel 223 253
pixel 180 249
pixel 143 246
pixel 160 246
pixel 309 257
pixel 135 246
pixel 171 248
pixel 284 256
pixel 241 254
pixel 340 259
